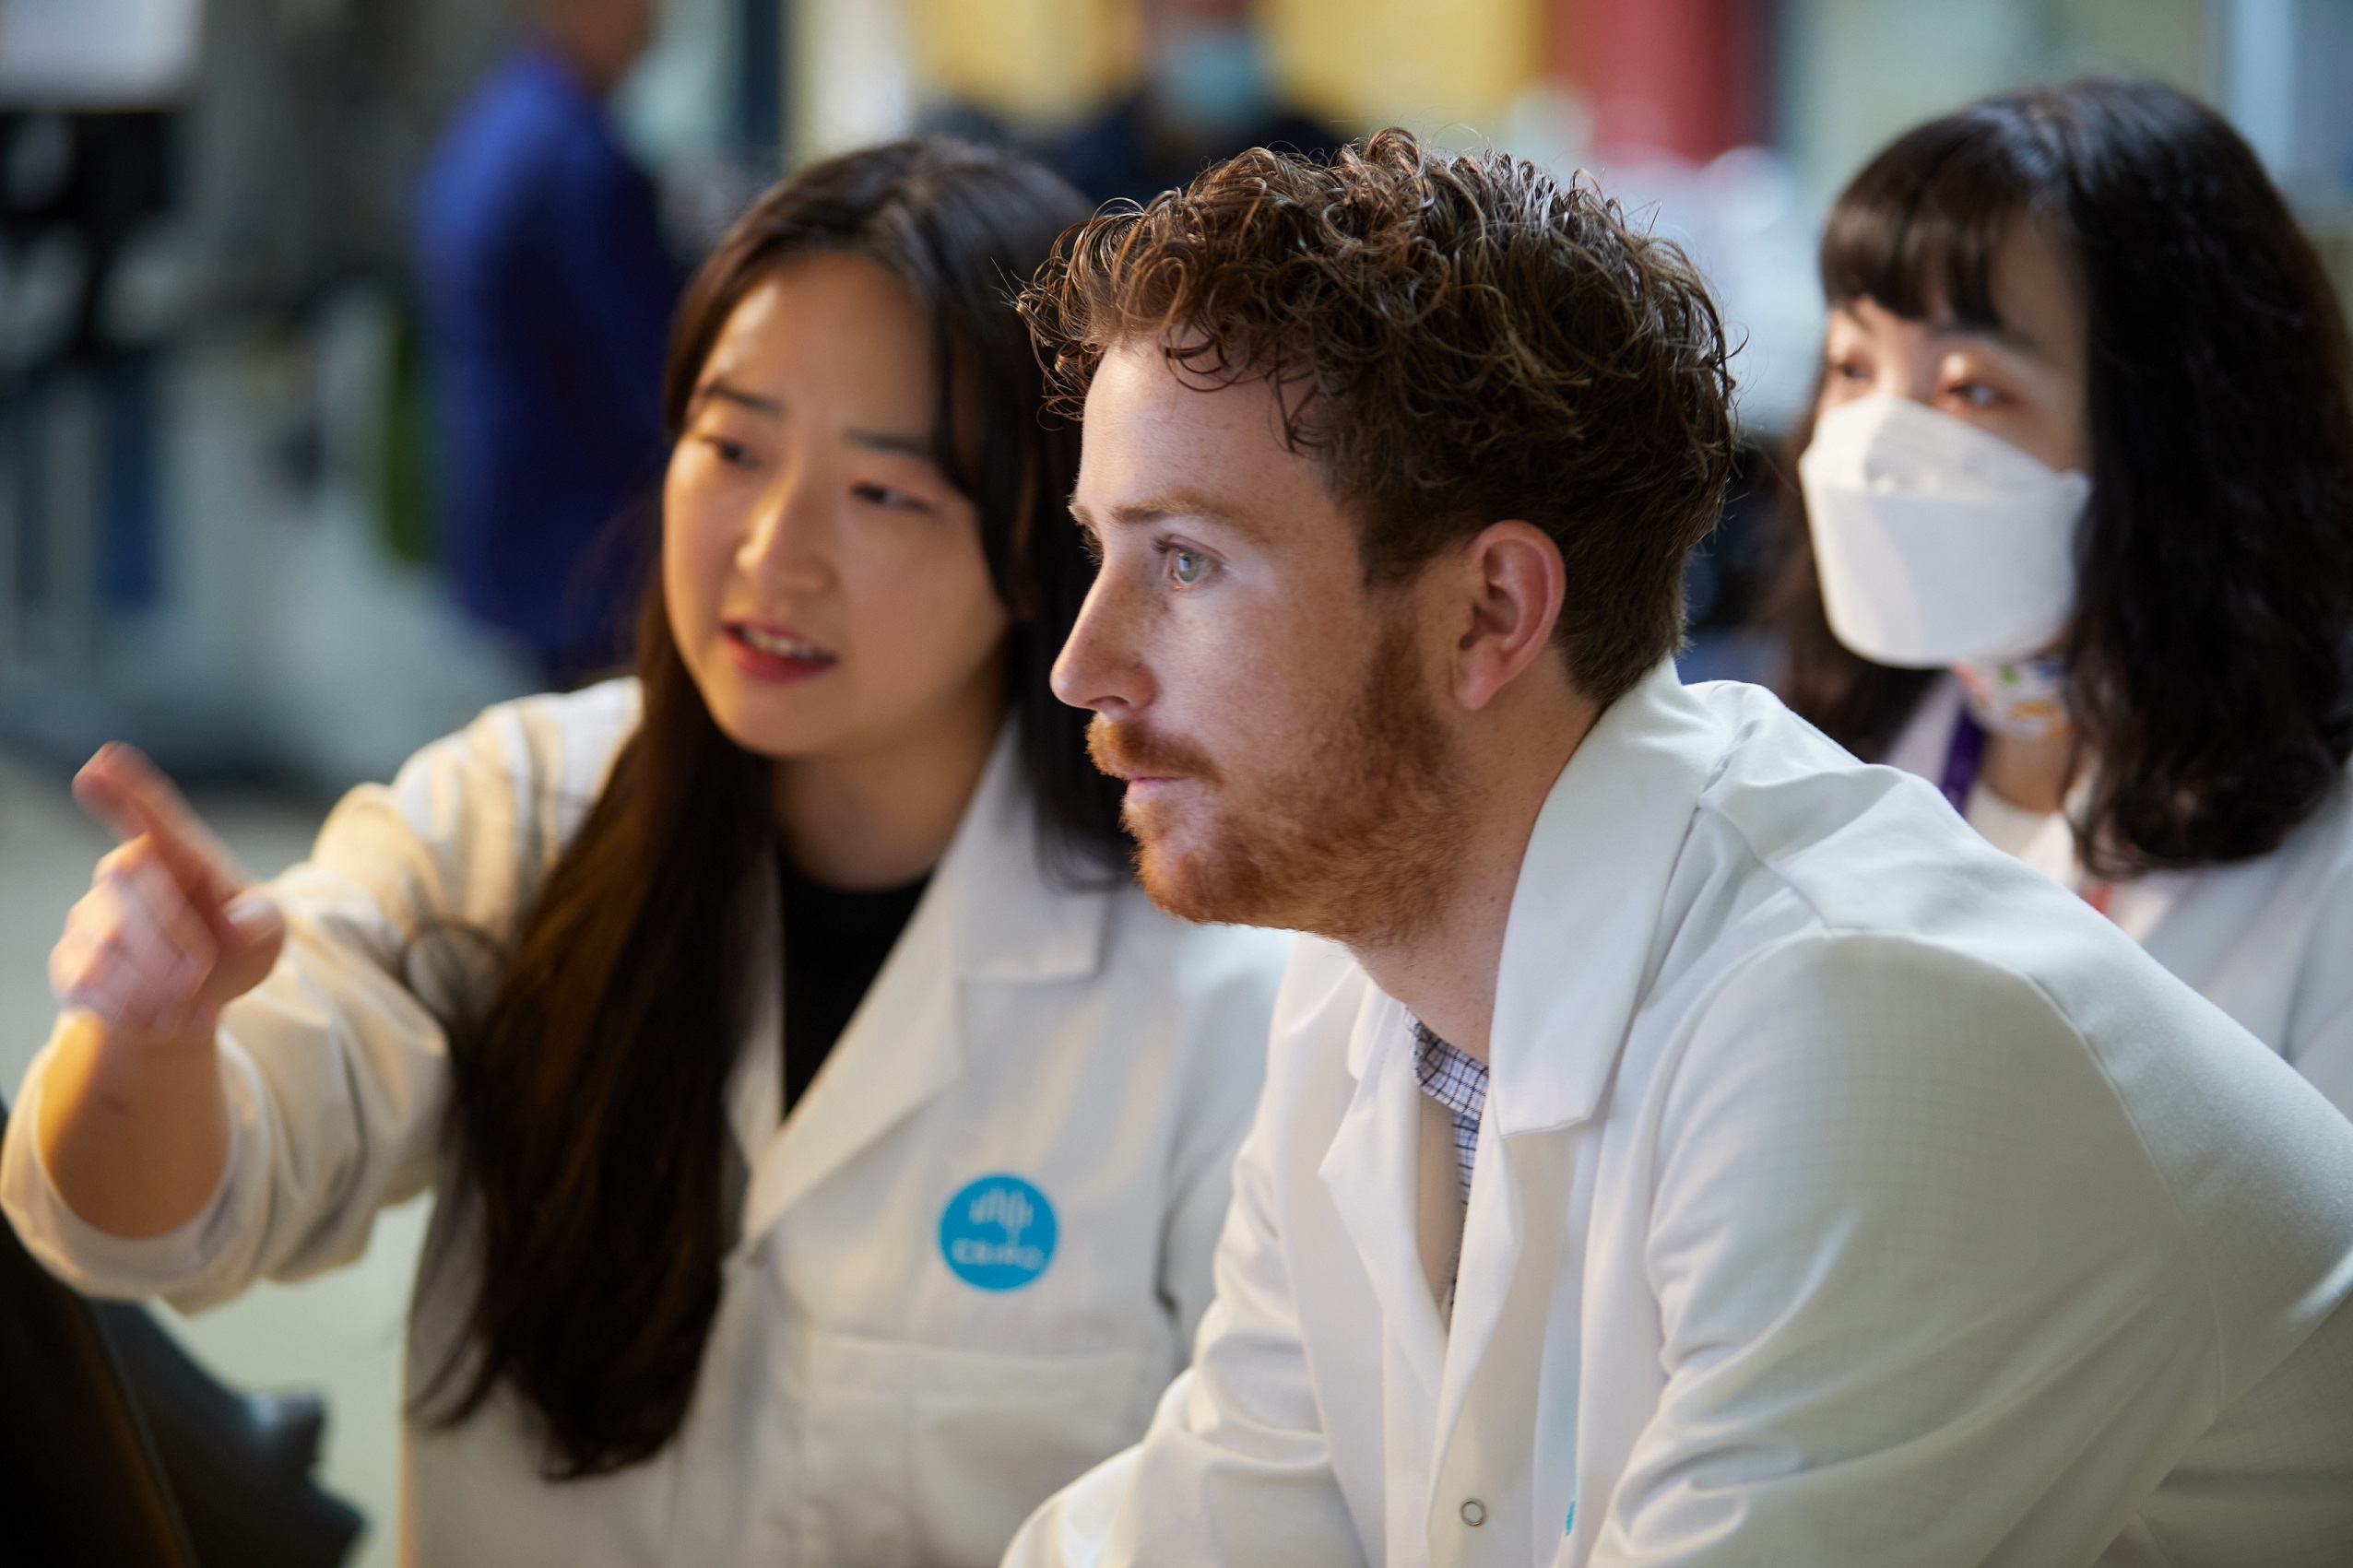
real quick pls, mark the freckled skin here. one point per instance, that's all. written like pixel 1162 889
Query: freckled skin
pixel 1303 749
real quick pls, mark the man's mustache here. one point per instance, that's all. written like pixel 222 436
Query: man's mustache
pixel 1131 751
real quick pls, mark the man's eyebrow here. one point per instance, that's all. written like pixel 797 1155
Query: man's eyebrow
pixel 894 441
pixel 1179 502
pixel 722 391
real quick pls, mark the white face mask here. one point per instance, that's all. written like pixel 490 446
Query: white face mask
pixel 1935 542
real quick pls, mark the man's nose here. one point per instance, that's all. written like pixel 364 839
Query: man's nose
pixel 1100 667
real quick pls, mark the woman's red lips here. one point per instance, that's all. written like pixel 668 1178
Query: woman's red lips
pixel 776 654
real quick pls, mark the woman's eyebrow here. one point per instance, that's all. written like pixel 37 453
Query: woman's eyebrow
pixel 2001 334
pixel 724 393
pixel 894 442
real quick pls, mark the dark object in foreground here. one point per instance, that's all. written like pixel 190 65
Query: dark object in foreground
pixel 118 1451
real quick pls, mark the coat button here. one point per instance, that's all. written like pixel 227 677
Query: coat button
pixel 1475 1513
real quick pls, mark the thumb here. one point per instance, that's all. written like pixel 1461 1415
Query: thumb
pixel 251 934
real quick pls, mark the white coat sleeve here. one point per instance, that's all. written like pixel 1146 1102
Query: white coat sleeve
pixel 1231 975
pixel 2319 1022
pixel 335 1067
pixel 1233 1468
pixel 1917 1279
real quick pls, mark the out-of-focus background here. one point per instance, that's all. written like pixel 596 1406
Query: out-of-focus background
pixel 292 481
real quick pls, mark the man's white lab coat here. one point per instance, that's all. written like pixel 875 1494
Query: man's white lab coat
pixel 861 1400
pixel 1846 1194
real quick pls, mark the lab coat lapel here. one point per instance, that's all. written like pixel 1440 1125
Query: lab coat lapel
pixel 1370 1170
pixel 1585 936
pixel 756 1085
pixel 1583 939
pixel 989 915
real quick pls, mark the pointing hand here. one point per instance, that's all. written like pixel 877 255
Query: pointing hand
pixel 168 933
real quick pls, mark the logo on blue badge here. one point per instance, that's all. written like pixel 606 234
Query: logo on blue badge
pixel 998 1234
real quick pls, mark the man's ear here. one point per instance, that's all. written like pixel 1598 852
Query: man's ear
pixel 1508 585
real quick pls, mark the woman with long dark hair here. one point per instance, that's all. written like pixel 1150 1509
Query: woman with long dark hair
pixel 829 1139
pixel 2077 540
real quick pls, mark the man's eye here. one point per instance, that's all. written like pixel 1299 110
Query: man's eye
pixel 1977 393
pixel 1188 566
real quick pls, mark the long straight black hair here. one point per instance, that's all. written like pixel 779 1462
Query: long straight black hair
pixel 2207 656
pixel 588 1107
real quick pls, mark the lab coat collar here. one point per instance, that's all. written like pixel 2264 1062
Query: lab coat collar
pixel 1009 918
pixel 991 915
pixel 1592 886
pixel 1580 940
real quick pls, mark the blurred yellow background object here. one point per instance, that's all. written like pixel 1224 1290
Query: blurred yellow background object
pixel 1039 61
pixel 1372 62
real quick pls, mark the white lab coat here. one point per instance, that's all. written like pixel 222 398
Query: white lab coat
pixel 2268 940
pixel 859 1402
pixel 1846 1194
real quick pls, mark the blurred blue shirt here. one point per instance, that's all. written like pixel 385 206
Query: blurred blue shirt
pixel 547 294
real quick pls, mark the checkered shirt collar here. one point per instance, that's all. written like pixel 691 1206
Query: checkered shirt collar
pixel 1458 1082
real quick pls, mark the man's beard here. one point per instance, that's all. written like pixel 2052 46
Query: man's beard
pixel 1353 835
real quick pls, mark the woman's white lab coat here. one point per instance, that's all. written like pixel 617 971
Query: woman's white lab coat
pixel 1846 1195
pixel 1048 1083
pixel 2268 940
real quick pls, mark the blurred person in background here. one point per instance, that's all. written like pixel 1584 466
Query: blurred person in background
pixel 1209 91
pixel 829 1139
pixel 547 292
pixel 2076 532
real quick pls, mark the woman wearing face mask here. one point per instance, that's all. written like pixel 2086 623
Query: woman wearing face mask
pixel 828 1140
pixel 2078 541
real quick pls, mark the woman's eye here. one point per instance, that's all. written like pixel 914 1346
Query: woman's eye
pixel 1187 567
pixel 1851 369
pixel 1976 393
pixel 883 495
pixel 732 453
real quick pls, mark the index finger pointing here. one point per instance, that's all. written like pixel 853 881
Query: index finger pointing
pixel 134 799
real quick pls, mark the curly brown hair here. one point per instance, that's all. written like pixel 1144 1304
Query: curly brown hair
pixel 1456 340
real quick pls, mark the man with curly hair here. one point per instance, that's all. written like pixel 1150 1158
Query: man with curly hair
pixel 1682 1144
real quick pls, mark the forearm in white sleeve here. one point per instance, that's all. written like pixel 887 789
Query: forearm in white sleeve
pixel 1234 1470
pixel 335 1070
pixel 1228 1062
pixel 333 1078
pixel 97 1263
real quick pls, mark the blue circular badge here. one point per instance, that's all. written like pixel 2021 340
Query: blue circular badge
pixel 997 1234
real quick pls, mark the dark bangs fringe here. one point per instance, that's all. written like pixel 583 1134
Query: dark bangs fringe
pixel 2210 658
pixel 1917 230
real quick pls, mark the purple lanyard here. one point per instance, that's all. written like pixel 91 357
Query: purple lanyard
pixel 1962 755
